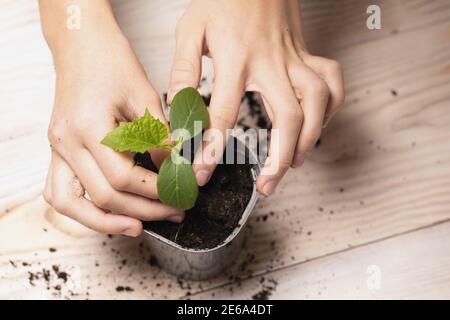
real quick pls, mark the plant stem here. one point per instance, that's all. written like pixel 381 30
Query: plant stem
pixel 178 231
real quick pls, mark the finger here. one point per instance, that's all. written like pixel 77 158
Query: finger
pixel 47 193
pixel 103 195
pixel 121 172
pixel 68 199
pixel 140 98
pixel 313 93
pixel 223 112
pixel 119 168
pixel 186 66
pixel 287 120
pixel 331 72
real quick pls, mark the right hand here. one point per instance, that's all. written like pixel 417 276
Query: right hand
pixel 100 82
pixel 257 46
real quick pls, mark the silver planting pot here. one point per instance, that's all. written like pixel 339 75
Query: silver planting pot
pixel 195 264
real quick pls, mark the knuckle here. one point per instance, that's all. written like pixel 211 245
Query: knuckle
pixel 104 226
pixel 47 196
pixel 238 59
pixel 184 68
pixel 334 67
pixel 103 199
pixel 284 164
pixel 119 179
pixel 183 65
pixel 55 134
pixel 294 114
pixel 339 98
pixel 319 87
pixel 60 204
pixel 221 120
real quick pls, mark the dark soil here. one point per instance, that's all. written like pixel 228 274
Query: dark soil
pixel 217 212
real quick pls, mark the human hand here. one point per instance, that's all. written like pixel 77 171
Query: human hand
pixel 258 46
pixel 100 82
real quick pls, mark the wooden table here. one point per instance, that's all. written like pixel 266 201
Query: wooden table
pixel 368 216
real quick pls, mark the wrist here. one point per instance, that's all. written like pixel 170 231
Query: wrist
pixel 85 46
pixel 95 27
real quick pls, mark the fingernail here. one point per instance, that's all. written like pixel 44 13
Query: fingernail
pixel 202 177
pixel 269 187
pixel 175 219
pixel 173 91
pixel 299 159
pixel 130 232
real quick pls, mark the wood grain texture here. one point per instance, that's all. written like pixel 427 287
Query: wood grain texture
pixel 402 267
pixel 382 169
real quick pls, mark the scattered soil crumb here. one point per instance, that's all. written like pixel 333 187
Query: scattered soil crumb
pixel 267 289
pixel 152 261
pixel 54 280
pixel 124 289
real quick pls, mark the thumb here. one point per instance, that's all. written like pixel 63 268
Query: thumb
pixel 187 63
pixel 144 97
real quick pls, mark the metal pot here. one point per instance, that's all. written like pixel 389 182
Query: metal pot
pixel 205 263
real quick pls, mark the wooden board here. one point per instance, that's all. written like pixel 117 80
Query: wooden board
pixel 382 169
pixel 402 267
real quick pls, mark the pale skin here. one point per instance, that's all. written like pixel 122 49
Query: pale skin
pixel 254 46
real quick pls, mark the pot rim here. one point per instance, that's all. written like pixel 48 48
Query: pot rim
pixel 248 209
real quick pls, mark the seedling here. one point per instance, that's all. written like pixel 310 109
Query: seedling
pixel 176 182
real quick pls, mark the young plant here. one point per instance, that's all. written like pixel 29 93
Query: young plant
pixel 176 182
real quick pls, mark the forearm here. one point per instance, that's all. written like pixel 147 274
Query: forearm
pixel 96 23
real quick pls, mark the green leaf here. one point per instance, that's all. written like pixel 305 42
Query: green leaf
pixel 139 135
pixel 186 108
pixel 176 183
